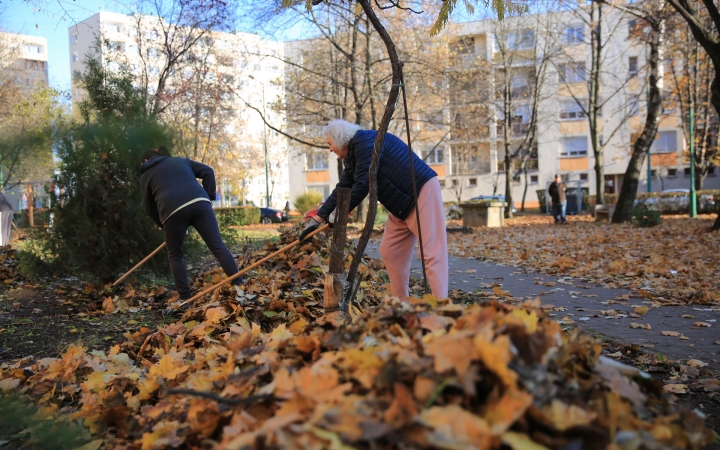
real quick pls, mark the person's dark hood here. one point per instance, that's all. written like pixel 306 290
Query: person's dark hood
pixel 152 162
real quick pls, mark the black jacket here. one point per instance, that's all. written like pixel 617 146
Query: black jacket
pixel 394 182
pixel 169 182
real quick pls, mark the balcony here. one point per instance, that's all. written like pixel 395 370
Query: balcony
pixel 517 129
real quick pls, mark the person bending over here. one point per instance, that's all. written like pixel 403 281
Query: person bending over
pixel 175 201
pixel 395 192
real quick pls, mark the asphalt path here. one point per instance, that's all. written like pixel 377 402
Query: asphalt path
pixel 577 302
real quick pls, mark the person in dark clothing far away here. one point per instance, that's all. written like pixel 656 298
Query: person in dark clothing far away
pixel 557 190
pixel 395 192
pixel 6 218
pixel 174 201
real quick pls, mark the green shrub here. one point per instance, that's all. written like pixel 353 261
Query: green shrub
pixel 307 201
pixel 237 216
pixel 99 224
pixel 644 217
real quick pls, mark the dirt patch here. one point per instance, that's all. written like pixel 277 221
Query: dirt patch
pixel 42 320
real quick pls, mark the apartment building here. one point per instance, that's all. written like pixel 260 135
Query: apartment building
pixel 25 58
pixel 549 130
pixel 224 84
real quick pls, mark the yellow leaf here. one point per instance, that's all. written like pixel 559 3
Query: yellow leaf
pixel 215 315
pixel 519 441
pixel 564 416
pixel 496 356
pixel 676 388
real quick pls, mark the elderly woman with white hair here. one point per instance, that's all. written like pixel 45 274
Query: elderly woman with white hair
pixel 395 193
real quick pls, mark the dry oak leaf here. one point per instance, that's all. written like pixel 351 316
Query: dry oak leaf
pixel 9 384
pixel 496 356
pixel 215 315
pixel 168 368
pixel 640 325
pixel 164 435
pixel 564 416
pixel 676 388
pixel 519 441
pixel 696 363
pixel 506 411
pixel 702 324
pixel 452 351
pixel 454 427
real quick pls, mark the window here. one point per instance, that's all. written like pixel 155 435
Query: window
pixel 73 38
pixel 154 70
pixel 653 173
pixel 632 66
pixel 117 46
pixel 583 177
pixel 665 142
pixel 472 182
pixel 316 161
pixel 442 184
pixel 573 146
pixel 572 72
pixel 151 35
pixel 711 171
pixel 113 27
pixel 75 56
pixel 29 48
pixel 522 39
pixel 533 178
pixel 113 66
pixel 672 172
pixel 434 156
pixel 571 110
pixel 464 46
pixel 574 34
pixel 151 52
pixel 686 172
pixel 632 24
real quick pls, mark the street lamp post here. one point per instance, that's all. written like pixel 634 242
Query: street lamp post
pixel 267 161
pixel 693 196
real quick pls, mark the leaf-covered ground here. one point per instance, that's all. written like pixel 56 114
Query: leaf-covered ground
pixel 677 262
pixel 267 371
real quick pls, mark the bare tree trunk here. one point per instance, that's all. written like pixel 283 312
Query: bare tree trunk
pixel 641 147
pixel 379 141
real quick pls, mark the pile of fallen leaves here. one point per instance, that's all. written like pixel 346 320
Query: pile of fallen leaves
pixel 266 371
pixel 9 265
pixel 673 263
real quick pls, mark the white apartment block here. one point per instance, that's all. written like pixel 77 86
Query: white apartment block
pixel 247 66
pixel 562 132
pixel 27 57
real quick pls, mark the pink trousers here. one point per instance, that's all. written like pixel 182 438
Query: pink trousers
pixel 399 239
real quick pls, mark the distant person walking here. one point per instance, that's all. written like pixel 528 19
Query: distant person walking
pixel 557 191
pixel 174 201
pixel 6 218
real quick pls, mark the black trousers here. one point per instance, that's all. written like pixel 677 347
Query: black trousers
pixel 200 216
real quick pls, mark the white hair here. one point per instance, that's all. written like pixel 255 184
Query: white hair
pixel 339 132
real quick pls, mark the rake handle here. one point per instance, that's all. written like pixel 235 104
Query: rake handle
pixel 252 266
pixel 139 264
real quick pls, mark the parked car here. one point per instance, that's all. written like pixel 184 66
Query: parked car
pixel 313 211
pixel 272 215
pixel 498 198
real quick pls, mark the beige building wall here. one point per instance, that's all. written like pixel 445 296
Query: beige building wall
pixel 27 57
pixel 253 64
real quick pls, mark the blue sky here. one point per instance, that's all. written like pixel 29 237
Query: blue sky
pixel 52 21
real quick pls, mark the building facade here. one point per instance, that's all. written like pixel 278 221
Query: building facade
pixel 535 70
pixel 221 88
